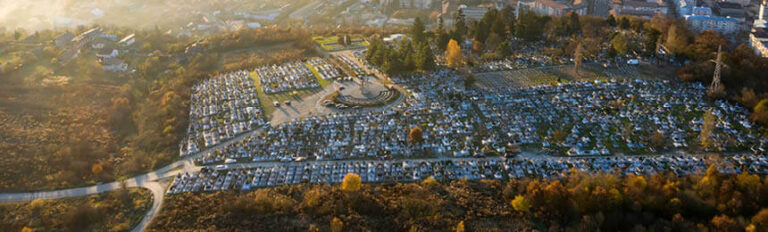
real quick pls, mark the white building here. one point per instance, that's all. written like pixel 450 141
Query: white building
pixel 703 20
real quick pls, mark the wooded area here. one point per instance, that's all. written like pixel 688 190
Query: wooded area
pixel 119 210
pixel 578 202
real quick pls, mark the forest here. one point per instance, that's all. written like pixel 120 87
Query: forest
pixel 709 201
pixel 118 210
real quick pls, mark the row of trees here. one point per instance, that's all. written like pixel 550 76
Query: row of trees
pixel 581 202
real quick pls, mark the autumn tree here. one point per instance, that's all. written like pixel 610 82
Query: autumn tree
pixel 352 182
pixel 760 112
pixel 657 140
pixel 521 204
pixel 460 227
pixel 453 55
pixel 415 135
pixel 707 128
pixel 676 41
pixel 759 221
pixel 577 56
pixel 96 169
pixel 619 44
pixel 336 225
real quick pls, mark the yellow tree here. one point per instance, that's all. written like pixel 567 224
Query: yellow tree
pixel 336 225
pixel 453 56
pixel 520 204
pixel 706 129
pixel 352 182
pixel 96 169
pixel 460 227
pixel 577 56
pixel 416 135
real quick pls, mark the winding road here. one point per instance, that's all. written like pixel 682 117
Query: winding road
pixel 154 181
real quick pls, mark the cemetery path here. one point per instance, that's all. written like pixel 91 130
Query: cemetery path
pixel 152 181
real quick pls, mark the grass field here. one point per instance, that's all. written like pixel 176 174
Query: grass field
pixel 330 43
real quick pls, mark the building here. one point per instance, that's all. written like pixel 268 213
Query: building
pixel 113 64
pixel 127 41
pixel 645 9
pixel 552 8
pixel 408 4
pixel 87 36
pixel 758 40
pixel 599 8
pixel 475 13
pixel 728 9
pixel 760 22
pixel 702 19
pixel 64 40
pixel 684 7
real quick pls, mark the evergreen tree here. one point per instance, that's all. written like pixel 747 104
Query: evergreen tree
pixel 417 31
pixel 611 20
pixel 425 60
pixel 459 32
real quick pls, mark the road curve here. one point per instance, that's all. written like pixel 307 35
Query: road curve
pixel 150 181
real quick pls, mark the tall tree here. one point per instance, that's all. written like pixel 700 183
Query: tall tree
pixel 425 60
pixel 577 56
pixel 418 31
pixel 707 129
pixel 453 55
pixel 620 44
pixel 459 32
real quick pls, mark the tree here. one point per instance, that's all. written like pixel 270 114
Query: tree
pixel 657 140
pixel 504 49
pixel 417 31
pixel 521 204
pixel 460 227
pixel 425 60
pixel 493 42
pixel 27 229
pixel 453 55
pixel 623 23
pixel 352 182
pixel 611 20
pixel 96 169
pixel 760 112
pixel 459 32
pixel 676 40
pixel 748 98
pixel 620 44
pixel 577 56
pixel 707 129
pixel 336 225
pixel 415 135
pixel 760 221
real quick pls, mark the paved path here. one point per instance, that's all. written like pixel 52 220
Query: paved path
pixel 152 181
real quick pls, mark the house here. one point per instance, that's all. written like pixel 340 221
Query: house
pixel 64 40
pixel 113 64
pixel 87 36
pixel 68 55
pixel 127 41
pixel 107 53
